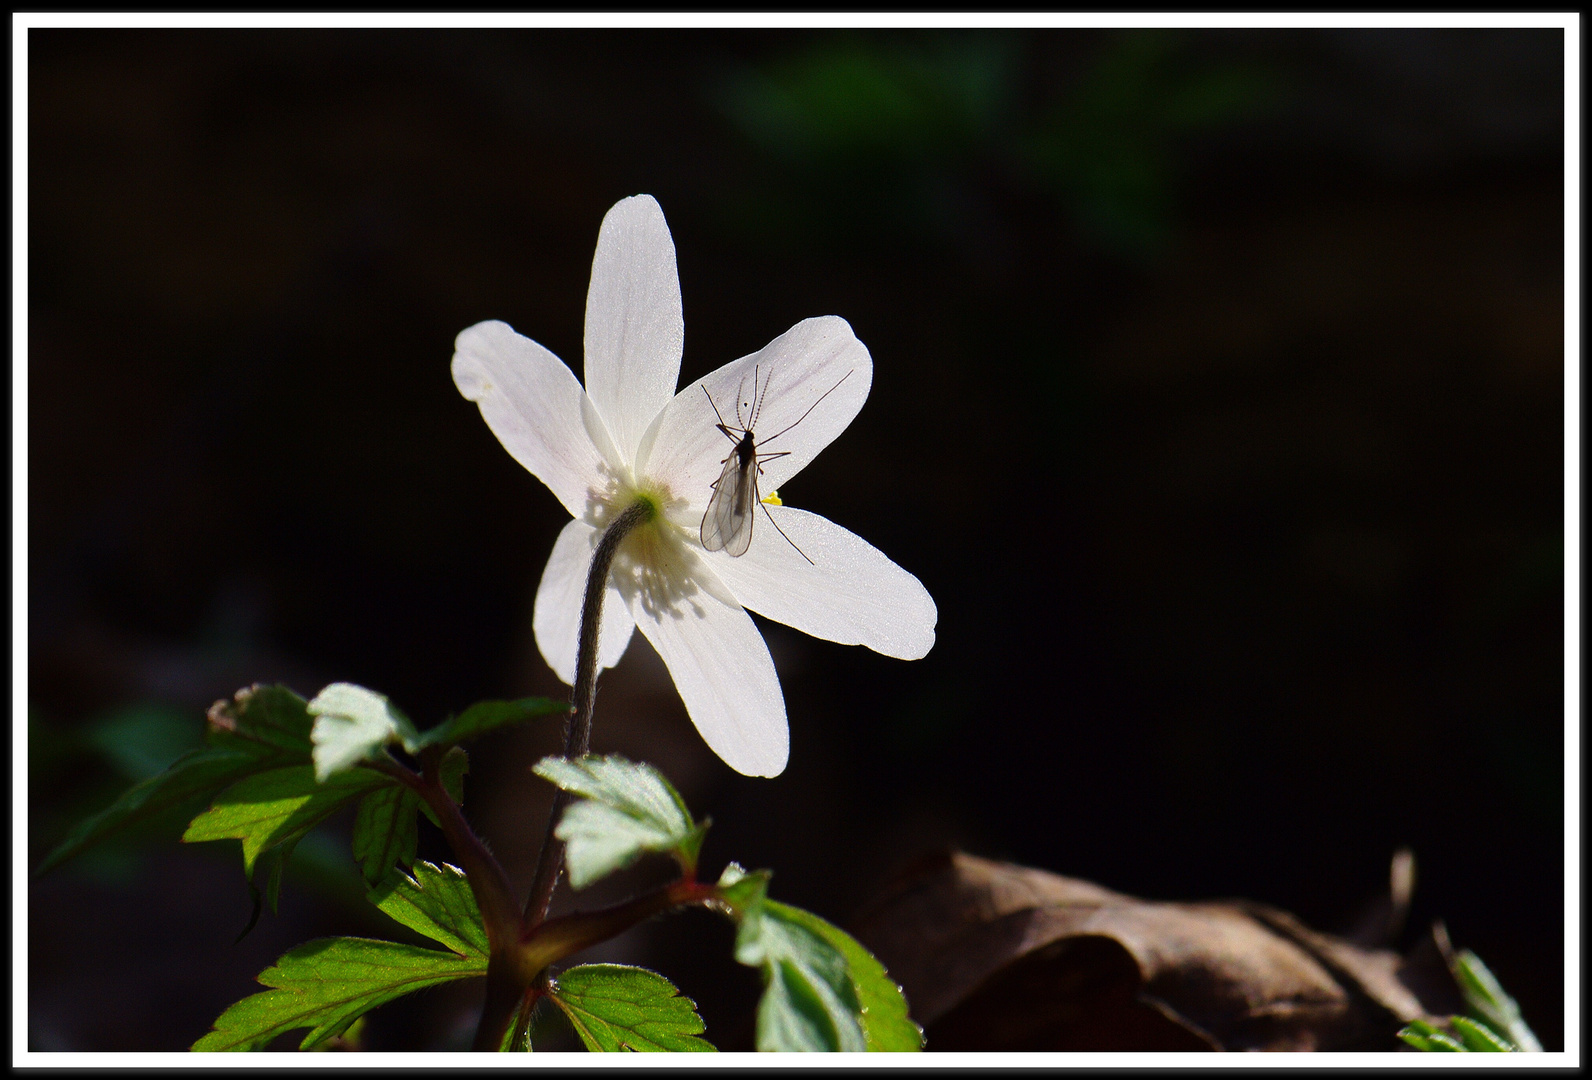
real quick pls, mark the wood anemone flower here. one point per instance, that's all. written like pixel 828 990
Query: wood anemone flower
pixel 626 437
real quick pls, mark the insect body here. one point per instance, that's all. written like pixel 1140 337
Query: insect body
pixel 727 525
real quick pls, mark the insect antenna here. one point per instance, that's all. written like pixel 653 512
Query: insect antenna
pixel 810 408
pixel 758 399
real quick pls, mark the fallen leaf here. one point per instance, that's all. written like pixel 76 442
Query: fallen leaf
pixel 995 956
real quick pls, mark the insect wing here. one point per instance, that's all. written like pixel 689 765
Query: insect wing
pixel 727 525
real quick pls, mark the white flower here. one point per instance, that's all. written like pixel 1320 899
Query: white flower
pixel 628 436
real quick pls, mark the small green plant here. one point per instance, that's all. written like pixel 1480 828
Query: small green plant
pixel 639 467
pixel 1493 1026
pixel 275 766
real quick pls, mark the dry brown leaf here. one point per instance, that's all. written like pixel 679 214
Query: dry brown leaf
pixel 994 956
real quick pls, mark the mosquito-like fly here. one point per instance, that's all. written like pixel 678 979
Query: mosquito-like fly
pixel 727 525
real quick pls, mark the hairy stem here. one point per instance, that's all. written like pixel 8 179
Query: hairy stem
pixel 577 734
pixel 522 945
pixel 500 1011
pixel 493 893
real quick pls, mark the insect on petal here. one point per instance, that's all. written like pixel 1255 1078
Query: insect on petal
pixel 685 450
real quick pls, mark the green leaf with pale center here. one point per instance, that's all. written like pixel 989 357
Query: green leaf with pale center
pixel 326 985
pixel 822 990
pixel 438 903
pixel 353 723
pixel 278 807
pixel 626 809
pixel 485 716
pixel 614 1007
pixel 385 831
pixel 886 1025
pixel 809 1001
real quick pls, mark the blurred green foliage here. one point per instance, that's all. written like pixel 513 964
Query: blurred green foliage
pixel 143 738
pixel 1108 149
pixel 84 770
pixel 905 135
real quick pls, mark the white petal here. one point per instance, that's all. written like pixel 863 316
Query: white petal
pixel 814 358
pixel 537 410
pixel 853 595
pixel 556 616
pixel 634 327
pixel 720 665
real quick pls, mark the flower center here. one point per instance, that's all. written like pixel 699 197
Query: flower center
pixel 656 563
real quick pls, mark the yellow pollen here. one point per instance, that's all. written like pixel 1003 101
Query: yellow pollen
pixel 773 499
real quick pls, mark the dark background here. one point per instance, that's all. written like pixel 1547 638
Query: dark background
pixel 1217 401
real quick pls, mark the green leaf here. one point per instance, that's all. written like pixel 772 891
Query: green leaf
pixel 517 1035
pixel 262 719
pixel 278 807
pixel 1415 1033
pixel 385 832
pixel 822 990
pixel 1487 1001
pixel 485 716
pixel 886 1024
pixel 275 862
pixel 438 903
pixel 326 985
pixel 351 724
pixel 455 763
pixel 741 890
pixel 627 809
pixel 614 1008
pixel 1423 1036
pixel 809 1001
pixel 1478 1037
pixel 348 1040
pixel 198 774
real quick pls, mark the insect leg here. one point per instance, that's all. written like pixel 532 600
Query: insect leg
pixel 788 540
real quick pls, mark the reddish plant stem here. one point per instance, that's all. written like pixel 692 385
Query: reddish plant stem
pixel 524 943
pixel 521 971
pixel 553 940
pixel 521 950
pixel 493 893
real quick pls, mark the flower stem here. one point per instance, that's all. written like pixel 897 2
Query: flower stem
pixel 577 733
